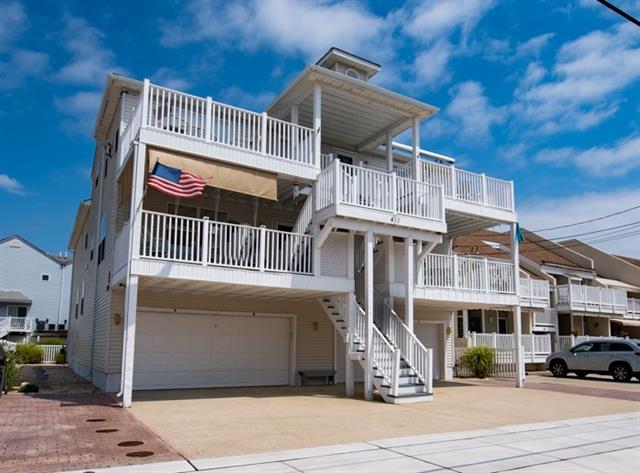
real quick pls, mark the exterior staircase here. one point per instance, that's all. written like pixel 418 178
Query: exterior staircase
pixel 402 366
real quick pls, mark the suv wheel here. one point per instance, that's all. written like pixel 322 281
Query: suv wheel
pixel 621 372
pixel 558 368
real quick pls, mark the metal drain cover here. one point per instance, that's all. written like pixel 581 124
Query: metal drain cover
pixel 106 431
pixel 96 420
pixel 130 443
pixel 140 454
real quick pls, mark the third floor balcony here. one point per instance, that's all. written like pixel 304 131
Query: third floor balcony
pixel 591 300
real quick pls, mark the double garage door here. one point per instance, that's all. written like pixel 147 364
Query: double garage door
pixel 176 350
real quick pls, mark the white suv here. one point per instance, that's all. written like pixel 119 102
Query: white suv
pixel 619 358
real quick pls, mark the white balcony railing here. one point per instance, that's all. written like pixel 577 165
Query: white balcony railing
pixel 19 324
pixel 205 242
pixel 367 188
pixel 466 186
pixel 466 273
pixel 206 120
pixel 633 308
pixel 534 292
pixel 130 133
pixel 591 299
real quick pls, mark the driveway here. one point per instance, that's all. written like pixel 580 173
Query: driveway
pixel 211 423
pixel 67 426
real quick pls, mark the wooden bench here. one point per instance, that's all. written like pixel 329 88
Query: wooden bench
pixel 327 375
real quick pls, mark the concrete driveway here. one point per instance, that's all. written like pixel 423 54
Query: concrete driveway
pixel 209 423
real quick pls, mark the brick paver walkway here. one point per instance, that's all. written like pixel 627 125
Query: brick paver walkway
pixel 56 432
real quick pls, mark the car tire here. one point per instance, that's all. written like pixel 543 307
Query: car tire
pixel 581 374
pixel 621 372
pixel 558 368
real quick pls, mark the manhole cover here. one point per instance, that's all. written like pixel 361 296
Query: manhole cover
pixel 96 420
pixel 142 453
pixel 106 431
pixel 130 443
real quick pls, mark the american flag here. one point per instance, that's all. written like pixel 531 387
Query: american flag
pixel 175 182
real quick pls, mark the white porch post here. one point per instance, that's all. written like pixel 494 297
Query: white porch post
pixel 317 254
pixel 416 149
pixel 129 342
pixel 465 320
pixel 368 287
pixel 131 289
pixel 389 152
pixel 317 123
pixel 517 322
pixel 408 293
pixel 390 266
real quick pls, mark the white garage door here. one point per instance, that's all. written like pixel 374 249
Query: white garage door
pixel 196 351
pixel 431 337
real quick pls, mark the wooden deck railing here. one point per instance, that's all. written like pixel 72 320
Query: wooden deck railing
pixel 466 273
pixel 207 120
pixel 205 242
pixel 378 190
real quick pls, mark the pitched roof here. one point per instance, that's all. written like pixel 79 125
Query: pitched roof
pixel 58 259
pixel 478 243
pixel 13 296
pixel 633 261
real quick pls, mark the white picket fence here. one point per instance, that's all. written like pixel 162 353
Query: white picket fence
pixel 536 346
pixel 504 365
pixel 49 352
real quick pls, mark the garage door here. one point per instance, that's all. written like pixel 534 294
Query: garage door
pixel 431 337
pixel 195 351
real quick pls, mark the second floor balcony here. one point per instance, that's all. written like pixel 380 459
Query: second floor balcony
pixel 534 293
pixel 633 308
pixel 591 300
pixel 344 190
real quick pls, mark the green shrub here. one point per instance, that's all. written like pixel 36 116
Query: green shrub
pixel 51 341
pixel 29 353
pixel 12 373
pixel 29 388
pixel 60 358
pixel 479 360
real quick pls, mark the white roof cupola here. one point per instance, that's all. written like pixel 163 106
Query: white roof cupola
pixel 348 64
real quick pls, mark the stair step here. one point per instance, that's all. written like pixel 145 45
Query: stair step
pixel 409 398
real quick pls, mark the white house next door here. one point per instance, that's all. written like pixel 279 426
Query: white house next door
pixel 177 350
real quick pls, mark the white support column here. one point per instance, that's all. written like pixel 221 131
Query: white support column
pixel 349 383
pixel 390 265
pixel 517 323
pixel 317 123
pixel 389 152
pixel 408 293
pixel 368 288
pixel 416 149
pixel 465 320
pixel 129 340
pixel 317 255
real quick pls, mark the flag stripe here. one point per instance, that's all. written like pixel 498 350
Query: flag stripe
pixel 175 182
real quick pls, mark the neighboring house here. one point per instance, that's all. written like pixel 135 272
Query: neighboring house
pixel 34 289
pixel 319 243
pixel 618 284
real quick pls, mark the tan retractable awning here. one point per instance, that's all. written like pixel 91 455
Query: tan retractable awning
pixel 219 174
pixel 627 322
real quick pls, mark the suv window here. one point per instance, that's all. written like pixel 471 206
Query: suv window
pixel 620 347
pixel 584 347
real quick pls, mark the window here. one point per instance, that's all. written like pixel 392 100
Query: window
pixel 616 347
pixel 45 277
pixel 584 348
pixel 103 237
pixel 460 325
pixel 17 310
pixel 117 139
pixel 86 241
pixel 82 300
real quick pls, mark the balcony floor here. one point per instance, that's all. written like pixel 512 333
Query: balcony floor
pixel 455 298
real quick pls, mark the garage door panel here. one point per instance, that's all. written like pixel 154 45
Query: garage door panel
pixel 197 350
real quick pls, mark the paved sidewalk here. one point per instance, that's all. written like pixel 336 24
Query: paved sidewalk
pixel 594 444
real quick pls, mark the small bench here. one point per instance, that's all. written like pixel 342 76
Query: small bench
pixel 327 375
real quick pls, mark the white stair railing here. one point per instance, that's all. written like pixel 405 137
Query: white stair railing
pixel 414 352
pixel 305 216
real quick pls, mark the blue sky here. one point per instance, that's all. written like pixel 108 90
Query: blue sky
pixel 545 93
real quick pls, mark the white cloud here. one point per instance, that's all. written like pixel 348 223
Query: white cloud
pixel 471 111
pixel 81 109
pixel 11 185
pixel 90 60
pixel 240 98
pixel 170 78
pixel 533 46
pixel 555 211
pixel 13 22
pixel 301 27
pixel 578 92
pixel 431 66
pixel 20 65
pixel 437 19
